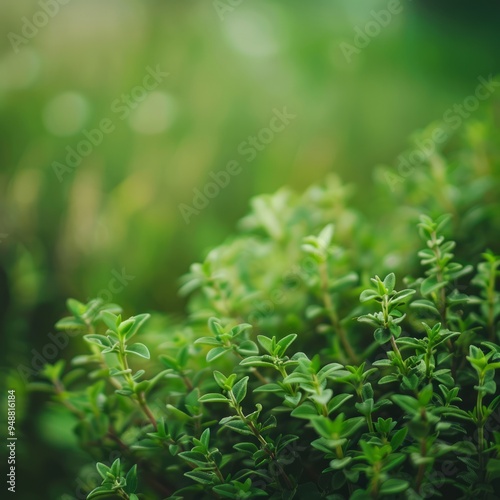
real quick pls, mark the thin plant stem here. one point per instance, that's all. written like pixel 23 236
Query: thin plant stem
pixel 264 444
pixel 332 313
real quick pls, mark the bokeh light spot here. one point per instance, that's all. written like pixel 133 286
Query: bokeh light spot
pixel 154 115
pixel 252 34
pixel 66 114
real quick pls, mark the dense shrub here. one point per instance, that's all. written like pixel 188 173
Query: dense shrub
pixel 328 353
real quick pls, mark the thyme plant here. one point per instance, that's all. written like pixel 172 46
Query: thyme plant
pixel 317 360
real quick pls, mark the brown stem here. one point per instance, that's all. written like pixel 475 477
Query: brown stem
pixel 116 439
pixel 187 382
pixel 396 350
pixel 271 455
pixel 259 375
pixel 59 389
pixel 217 471
pixel 263 442
pixel 165 490
pixel 145 408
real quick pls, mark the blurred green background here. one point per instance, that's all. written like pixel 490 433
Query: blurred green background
pixel 228 68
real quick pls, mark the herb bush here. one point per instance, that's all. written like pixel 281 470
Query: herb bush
pixel 327 353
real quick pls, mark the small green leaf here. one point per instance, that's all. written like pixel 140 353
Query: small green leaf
pixel 75 307
pixel 247 348
pixel 110 320
pixel 138 349
pixel 326 235
pixel 125 326
pixel 390 282
pixel 382 335
pixel 255 361
pixel 402 295
pixel 306 410
pixel 407 403
pixel 131 479
pixel 398 438
pixel 106 490
pixel 370 451
pixel 425 395
pixel 194 457
pixel 239 329
pixel 138 321
pixel 424 304
pixel 323 397
pixel 393 486
pixel 215 327
pixel 116 468
pixel 365 407
pixel 102 469
pixel 394 460
pixel 200 477
pixel 220 379
pixel 205 438
pixel 324 427
pixel 267 343
pixel 285 343
pixel 340 463
pixel 249 448
pixel 387 379
pixel 70 323
pixel 240 389
pixel 269 388
pixel 395 330
pixel 99 340
pixel 215 353
pixel 124 392
pixel 337 402
pixel 239 427
pixel 431 284
pixel 367 295
pixel 213 397
pixel 208 341
pixel 382 362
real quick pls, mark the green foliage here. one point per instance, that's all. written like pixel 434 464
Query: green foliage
pixel 296 373
pixel 114 483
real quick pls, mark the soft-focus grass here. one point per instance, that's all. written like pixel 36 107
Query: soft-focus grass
pixel 119 208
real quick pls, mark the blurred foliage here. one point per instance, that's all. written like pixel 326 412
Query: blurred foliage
pixel 119 209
